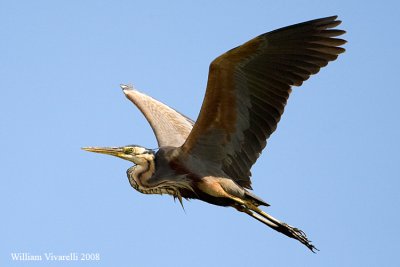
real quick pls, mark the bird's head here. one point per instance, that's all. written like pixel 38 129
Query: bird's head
pixel 133 153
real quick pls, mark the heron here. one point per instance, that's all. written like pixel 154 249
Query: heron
pixel 248 87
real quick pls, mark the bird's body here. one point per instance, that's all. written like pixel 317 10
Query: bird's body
pixel 168 165
pixel 247 90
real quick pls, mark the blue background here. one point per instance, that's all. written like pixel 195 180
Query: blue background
pixel 331 169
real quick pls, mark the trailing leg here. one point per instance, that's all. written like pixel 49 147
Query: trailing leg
pixel 275 224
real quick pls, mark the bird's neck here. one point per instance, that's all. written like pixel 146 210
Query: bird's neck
pixel 143 171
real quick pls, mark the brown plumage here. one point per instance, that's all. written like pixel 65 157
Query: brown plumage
pixel 248 88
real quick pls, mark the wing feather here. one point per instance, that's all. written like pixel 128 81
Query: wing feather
pixel 248 88
pixel 170 127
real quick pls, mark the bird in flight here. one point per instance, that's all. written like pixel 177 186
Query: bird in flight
pixel 248 87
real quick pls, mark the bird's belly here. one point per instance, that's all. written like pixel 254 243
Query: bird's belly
pixel 211 186
pixel 218 201
pixel 218 191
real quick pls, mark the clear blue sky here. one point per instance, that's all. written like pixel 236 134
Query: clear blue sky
pixel 331 168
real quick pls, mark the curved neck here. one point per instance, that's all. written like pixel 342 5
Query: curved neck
pixel 140 174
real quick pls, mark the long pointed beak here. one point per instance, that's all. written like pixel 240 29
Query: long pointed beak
pixel 113 151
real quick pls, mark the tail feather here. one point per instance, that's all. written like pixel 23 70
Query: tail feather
pixel 255 200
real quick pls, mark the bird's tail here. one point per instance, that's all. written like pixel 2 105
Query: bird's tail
pixel 279 226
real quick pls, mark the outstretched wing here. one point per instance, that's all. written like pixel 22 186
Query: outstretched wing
pixel 170 127
pixel 248 88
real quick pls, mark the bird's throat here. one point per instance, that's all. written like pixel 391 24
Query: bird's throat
pixel 140 174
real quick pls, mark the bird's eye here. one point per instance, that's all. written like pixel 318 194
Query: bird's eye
pixel 128 150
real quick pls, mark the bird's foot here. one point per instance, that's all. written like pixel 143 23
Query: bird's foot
pixel 297 234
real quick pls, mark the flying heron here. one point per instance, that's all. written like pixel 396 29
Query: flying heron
pixel 247 90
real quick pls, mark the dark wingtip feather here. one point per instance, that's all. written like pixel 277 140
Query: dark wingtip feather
pixel 331 33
